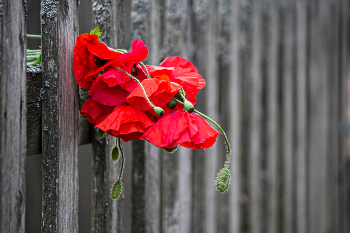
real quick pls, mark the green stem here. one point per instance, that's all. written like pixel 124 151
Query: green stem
pixel 219 127
pixel 34 36
pixel 121 151
pixel 144 92
pixel 143 65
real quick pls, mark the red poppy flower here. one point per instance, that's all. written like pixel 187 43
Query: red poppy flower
pixel 139 53
pixel 90 57
pixel 125 122
pixel 159 90
pixel 187 129
pixel 94 110
pixel 180 71
pixel 105 94
pixel 185 74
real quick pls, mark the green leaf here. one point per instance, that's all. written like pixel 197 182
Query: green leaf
pixel 101 133
pixel 117 189
pixel 96 31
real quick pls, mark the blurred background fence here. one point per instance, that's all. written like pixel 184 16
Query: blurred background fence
pixel 277 76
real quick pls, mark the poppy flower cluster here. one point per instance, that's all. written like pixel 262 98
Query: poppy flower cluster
pixel 130 100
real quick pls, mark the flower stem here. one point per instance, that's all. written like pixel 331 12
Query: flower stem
pixel 144 92
pixel 143 65
pixel 121 151
pixel 221 130
pixel 34 36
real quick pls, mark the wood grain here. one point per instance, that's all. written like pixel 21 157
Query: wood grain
pixel 13 112
pixel 107 214
pixel 60 117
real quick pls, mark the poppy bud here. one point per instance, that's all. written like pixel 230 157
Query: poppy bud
pixel 101 133
pixel 115 153
pixel 223 180
pixel 171 150
pixel 172 104
pixel 117 189
pixel 159 111
pixel 188 106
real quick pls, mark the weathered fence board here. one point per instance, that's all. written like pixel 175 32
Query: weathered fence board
pixel 146 173
pixel 272 116
pixel 106 214
pixel 60 117
pixel 13 112
pixel 277 80
pixel 301 117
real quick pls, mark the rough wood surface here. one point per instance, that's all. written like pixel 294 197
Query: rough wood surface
pixel 60 117
pixel 107 214
pixel 13 114
pixel 301 117
pixel 288 123
pixel 146 191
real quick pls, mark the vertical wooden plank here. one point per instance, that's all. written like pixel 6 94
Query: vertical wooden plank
pixel 273 117
pixel 301 117
pixel 60 117
pixel 288 124
pixel 319 121
pixel 344 79
pixel 234 110
pixel 255 151
pixel 13 113
pixel 146 197
pixel 224 64
pixel 205 164
pixel 107 215
pixel 173 40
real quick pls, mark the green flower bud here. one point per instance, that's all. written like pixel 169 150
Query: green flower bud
pixel 117 189
pixel 172 104
pixel 223 180
pixel 171 150
pixel 101 133
pixel 159 111
pixel 188 106
pixel 115 153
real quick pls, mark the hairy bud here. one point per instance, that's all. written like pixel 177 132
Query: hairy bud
pixel 115 153
pixel 159 111
pixel 223 180
pixel 117 189
pixel 188 106
pixel 172 104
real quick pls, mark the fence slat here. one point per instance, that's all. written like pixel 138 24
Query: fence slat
pixel 301 118
pixel 60 117
pixel 255 150
pixel 272 117
pixel 343 173
pixel 234 110
pixel 13 112
pixel 205 164
pixel 145 200
pixel 319 103
pixel 288 125
pixel 107 215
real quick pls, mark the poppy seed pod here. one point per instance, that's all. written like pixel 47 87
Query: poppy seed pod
pixel 188 106
pixel 171 104
pixel 159 111
pixel 171 150
pixel 117 189
pixel 115 153
pixel 223 180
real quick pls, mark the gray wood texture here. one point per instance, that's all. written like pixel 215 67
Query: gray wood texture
pixel 146 171
pixel 277 80
pixel 60 117
pixel 106 213
pixel 13 112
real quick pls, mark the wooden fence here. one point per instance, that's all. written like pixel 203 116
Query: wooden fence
pixel 277 80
